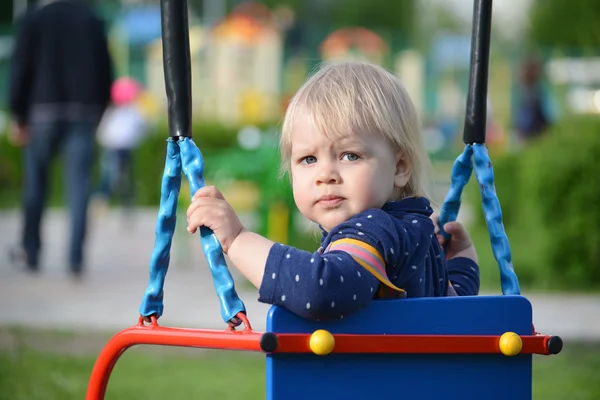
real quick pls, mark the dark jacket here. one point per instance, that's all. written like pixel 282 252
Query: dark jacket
pixel 61 67
pixel 369 256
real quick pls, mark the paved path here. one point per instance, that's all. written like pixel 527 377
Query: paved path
pixel 119 252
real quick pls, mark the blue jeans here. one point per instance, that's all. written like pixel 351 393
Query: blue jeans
pixel 76 140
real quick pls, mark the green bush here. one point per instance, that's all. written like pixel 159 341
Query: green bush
pixel 149 164
pixel 10 173
pixel 223 159
pixel 549 194
pixel 150 156
pixel 11 176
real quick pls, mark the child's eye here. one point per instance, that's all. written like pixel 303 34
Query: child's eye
pixel 308 160
pixel 350 157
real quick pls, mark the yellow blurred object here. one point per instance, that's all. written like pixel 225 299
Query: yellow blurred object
pixel 148 105
pixel 243 196
pixel 252 105
pixel 277 223
pixel 184 192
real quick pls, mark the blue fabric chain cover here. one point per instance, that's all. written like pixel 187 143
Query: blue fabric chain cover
pixel 484 173
pixel 493 217
pixel 165 227
pixel 231 304
pixel 461 173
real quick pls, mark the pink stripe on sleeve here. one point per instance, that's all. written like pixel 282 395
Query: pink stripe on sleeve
pixel 364 255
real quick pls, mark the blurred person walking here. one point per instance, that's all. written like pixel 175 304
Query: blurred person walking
pixel 121 129
pixel 532 115
pixel 60 81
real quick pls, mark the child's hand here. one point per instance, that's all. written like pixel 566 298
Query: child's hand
pixel 460 243
pixel 210 209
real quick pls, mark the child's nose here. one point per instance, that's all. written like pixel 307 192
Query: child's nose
pixel 328 174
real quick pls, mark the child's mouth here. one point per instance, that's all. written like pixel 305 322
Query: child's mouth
pixel 330 201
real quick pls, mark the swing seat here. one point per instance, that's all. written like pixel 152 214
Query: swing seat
pixel 457 366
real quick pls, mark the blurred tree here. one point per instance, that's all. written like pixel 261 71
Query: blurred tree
pixel 315 19
pixel 436 19
pixel 396 16
pixel 6 12
pixel 567 24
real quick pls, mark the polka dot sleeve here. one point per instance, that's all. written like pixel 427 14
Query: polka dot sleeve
pixel 464 276
pixel 315 285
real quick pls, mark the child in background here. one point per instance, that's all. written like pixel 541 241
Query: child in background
pixel 119 133
pixel 352 146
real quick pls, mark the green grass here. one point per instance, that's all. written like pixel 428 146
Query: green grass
pixel 48 366
pixel 571 375
pixel 140 374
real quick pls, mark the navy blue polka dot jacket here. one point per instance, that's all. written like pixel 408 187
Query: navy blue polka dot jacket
pixel 379 253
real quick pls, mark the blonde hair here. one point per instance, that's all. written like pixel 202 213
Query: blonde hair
pixel 364 99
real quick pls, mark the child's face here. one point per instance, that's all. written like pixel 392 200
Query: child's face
pixel 334 180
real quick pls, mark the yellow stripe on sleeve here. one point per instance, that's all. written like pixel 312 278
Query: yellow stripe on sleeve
pixel 367 256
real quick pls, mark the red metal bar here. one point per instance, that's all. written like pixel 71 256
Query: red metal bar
pixel 250 340
pixel 157 335
pixel 535 344
pixel 411 344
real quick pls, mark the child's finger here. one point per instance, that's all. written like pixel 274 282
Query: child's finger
pixel 435 218
pixel 455 230
pixel 208 191
pixel 203 212
pixel 194 222
pixel 441 239
pixel 198 203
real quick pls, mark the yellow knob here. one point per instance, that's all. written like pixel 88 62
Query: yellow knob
pixel 321 342
pixel 510 344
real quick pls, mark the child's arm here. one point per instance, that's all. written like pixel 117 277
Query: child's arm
pixel 463 274
pixel 312 285
pixel 249 252
pixel 315 285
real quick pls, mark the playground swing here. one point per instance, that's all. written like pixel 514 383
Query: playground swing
pixel 466 347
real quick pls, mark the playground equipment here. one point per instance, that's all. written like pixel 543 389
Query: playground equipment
pixel 456 347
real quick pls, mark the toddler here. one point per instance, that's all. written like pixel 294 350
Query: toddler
pixel 120 132
pixel 352 147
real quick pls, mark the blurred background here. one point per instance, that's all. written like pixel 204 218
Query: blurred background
pixel 248 59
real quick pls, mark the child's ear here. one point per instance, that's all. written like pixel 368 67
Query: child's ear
pixel 403 171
